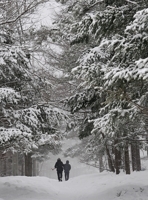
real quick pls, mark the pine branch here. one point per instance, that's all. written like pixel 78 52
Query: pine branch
pixel 132 2
pixel 143 109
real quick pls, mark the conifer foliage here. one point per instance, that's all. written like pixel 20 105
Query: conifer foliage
pixel 114 67
pixel 28 126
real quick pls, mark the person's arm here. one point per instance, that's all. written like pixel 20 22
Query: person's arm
pixel 55 166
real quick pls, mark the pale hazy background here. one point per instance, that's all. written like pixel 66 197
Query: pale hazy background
pixel 78 168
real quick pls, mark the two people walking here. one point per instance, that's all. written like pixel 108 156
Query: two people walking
pixel 59 166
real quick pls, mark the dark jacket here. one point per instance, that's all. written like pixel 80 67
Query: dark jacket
pixel 67 167
pixel 59 165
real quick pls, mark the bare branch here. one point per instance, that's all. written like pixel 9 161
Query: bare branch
pixel 27 9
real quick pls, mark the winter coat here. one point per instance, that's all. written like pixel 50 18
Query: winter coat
pixel 59 166
pixel 67 167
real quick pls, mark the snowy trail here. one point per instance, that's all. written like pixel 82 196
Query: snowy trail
pixel 104 186
pixel 77 189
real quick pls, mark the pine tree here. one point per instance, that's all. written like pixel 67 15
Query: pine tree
pixel 113 67
pixel 27 124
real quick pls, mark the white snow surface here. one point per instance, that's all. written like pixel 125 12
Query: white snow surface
pixel 97 186
pixel 85 183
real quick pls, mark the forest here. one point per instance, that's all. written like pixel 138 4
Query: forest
pixel 86 75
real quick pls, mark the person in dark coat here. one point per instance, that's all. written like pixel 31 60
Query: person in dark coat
pixel 67 168
pixel 59 167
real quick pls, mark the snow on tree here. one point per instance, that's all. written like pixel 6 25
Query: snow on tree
pixel 18 111
pixel 113 65
pixel 28 124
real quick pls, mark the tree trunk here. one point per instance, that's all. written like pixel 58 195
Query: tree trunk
pixel 3 164
pixel 28 164
pixel 117 160
pixel 127 161
pixel 22 169
pixel 133 156
pixel 15 164
pixel 101 166
pixel 5 167
pixel 147 138
pixel 34 167
pixel 138 160
pixel 110 162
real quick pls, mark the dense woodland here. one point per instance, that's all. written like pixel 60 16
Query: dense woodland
pixel 101 95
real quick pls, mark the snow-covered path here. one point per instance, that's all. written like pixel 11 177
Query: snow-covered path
pixel 104 186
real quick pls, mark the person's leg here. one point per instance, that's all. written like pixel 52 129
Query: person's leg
pixel 67 175
pixel 58 174
pixel 61 176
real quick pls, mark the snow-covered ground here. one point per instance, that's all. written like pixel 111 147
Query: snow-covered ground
pixel 85 183
pixel 97 186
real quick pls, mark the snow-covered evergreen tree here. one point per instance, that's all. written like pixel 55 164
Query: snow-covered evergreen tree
pixel 27 123
pixel 113 69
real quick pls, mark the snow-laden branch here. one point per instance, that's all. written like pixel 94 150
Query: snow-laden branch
pixel 132 2
pixel 27 9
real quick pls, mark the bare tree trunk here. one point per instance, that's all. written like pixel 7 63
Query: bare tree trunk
pixel 145 116
pixel 133 156
pixel 101 166
pixel 5 166
pixel 22 169
pixel 117 157
pixel 138 160
pixel 2 164
pixel 147 138
pixel 117 160
pixel 19 25
pixel 28 164
pixel 15 164
pixel 34 167
pixel 127 160
pixel 110 162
